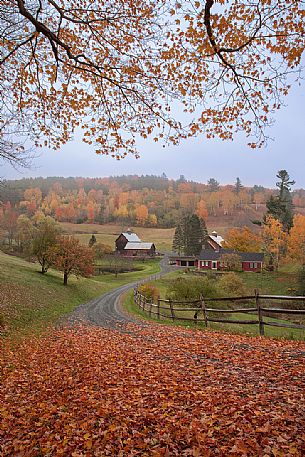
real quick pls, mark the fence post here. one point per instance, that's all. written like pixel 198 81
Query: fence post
pixel 158 309
pixel 144 302
pixel 171 308
pixel 260 314
pixel 196 316
pixel 204 311
pixel 150 306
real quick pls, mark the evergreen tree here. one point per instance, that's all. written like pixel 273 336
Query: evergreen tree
pixel 281 207
pixel 181 179
pixel 92 241
pixel 284 184
pixel 178 244
pixel 204 232
pixel 213 185
pixel 190 235
pixel 238 186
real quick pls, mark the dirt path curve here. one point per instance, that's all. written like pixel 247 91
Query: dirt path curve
pixel 106 311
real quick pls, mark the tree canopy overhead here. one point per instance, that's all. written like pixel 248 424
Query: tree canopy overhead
pixel 115 68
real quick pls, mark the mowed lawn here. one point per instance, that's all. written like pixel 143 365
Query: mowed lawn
pixel 30 301
pixel 163 238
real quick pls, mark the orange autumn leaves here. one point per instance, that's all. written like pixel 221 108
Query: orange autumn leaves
pixel 115 69
pixel 152 391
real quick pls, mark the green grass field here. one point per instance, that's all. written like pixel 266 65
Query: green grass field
pixel 31 301
pixel 282 282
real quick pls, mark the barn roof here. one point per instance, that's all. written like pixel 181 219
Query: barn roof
pixel 208 254
pixel 138 245
pixel 217 238
pixel 131 237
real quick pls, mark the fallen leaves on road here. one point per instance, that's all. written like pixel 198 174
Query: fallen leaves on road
pixel 152 391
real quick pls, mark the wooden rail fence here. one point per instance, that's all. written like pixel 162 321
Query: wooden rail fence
pixel 200 309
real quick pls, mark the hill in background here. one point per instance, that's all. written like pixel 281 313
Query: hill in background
pixel 147 201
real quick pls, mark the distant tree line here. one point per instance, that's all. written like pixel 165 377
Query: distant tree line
pixel 149 201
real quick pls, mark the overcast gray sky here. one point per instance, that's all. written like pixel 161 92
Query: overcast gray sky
pixel 197 159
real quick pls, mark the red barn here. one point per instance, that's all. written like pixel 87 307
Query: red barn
pixel 124 238
pixel 129 244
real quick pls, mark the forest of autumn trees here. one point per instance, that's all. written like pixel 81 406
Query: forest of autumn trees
pixel 132 200
pixel 145 201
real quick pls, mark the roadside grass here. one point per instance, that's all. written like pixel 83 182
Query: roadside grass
pixel 108 233
pixel 30 301
pixel 282 282
pixel 268 284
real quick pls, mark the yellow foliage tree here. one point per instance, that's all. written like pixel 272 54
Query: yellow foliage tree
pixel 243 240
pixel 153 220
pixel 296 240
pixel 274 240
pixel 122 212
pixel 141 214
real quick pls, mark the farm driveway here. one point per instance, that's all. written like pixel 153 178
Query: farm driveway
pixel 106 311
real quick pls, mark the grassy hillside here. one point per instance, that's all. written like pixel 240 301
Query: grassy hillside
pixel 30 301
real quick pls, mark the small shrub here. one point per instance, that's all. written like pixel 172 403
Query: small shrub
pixel 230 262
pixel 150 292
pixel 232 284
pixel 185 289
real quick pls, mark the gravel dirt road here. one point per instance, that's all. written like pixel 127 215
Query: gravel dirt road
pixel 106 311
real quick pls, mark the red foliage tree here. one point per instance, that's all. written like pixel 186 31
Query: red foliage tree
pixel 70 257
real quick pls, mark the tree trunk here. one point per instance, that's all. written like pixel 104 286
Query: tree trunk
pixel 65 278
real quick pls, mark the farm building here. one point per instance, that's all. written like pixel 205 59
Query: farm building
pixel 214 241
pixel 130 245
pixel 209 259
pixel 184 261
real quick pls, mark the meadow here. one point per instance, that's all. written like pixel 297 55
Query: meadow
pixel 108 233
pixel 30 301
